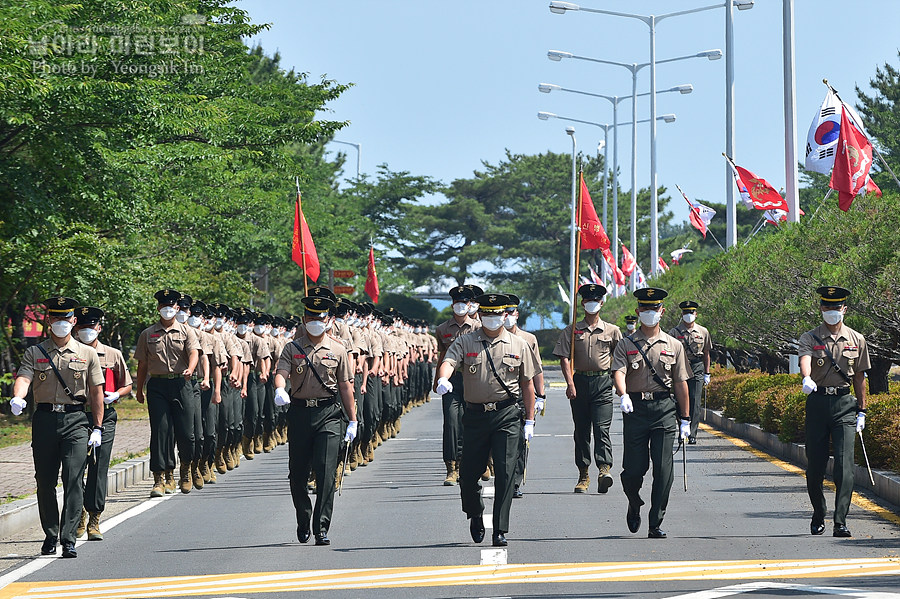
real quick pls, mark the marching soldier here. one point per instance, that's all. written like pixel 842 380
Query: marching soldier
pixel 321 394
pixel 230 408
pixel 256 380
pixel 168 352
pixel 210 393
pixel 630 323
pixel 453 401
pixel 648 366
pixel 498 375
pixel 117 384
pixel 589 389
pixel 833 362
pixel 697 345
pixel 65 375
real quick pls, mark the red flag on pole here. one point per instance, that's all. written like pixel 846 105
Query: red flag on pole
pixel 756 191
pixel 617 274
pixel 372 277
pixel 852 161
pixel 304 247
pixel 663 265
pixel 593 237
pixel 628 261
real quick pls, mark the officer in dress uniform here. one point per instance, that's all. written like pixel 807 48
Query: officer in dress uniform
pixel 498 375
pixel 589 389
pixel 453 401
pixel 833 362
pixel 117 384
pixel 321 394
pixel 65 375
pixel 168 352
pixel 649 367
pixel 697 345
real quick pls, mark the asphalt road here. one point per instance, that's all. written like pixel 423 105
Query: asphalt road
pixel 742 528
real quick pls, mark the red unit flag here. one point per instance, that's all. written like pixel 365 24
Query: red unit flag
pixel 372 277
pixel 311 264
pixel 593 237
pixel 852 161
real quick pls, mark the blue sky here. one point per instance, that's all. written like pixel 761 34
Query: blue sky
pixel 441 86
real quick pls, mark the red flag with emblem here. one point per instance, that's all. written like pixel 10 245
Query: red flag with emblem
pixel 852 161
pixel 593 237
pixel 372 277
pixel 305 249
pixel 628 261
pixel 757 191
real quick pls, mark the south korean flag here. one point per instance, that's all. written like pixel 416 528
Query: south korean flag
pixel 822 138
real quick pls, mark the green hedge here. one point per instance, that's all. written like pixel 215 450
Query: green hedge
pixel 778 405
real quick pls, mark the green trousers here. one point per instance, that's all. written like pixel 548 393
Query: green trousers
pixel 172 407
pixel 648 434
pixel 256 395
pixel 59 439
pixel 592 411
pixel 695 394
pixel 494 433
pixel 98 466
pixel 830 418
pixel 454 406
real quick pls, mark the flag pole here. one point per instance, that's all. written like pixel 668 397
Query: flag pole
pixel 576 275
pixel 708 230
pixel 302 244
pixel 859 126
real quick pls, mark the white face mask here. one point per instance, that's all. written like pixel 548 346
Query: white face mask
pixel 316 328
pixel 220 322
pixel 181 316
pixel 242 329
pixel 473 308
pixel 650 318
pixel 460 308
pixel 592 307
pixel 491 323
pixel 689 317
pixel 61 328
pixel 167 312
pixel 510 321
pixel 630 326
pixel 832 317
pixel 258 329
pixel 208 327
pixel 87 336
pixel 194 321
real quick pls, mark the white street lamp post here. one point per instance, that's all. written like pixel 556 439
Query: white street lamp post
pixel 573 283
pixel 358 152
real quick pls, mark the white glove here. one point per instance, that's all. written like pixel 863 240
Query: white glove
pixel 705 379
pixel 281 397
pixel 809 385
pixel 538 404
pixel 528 430
pixel 110 397
pixel 351 431
pixel 685 429
pixel 444 386
pixel 860 422
pixel 95 438
pixel 17 404
pixel 625 402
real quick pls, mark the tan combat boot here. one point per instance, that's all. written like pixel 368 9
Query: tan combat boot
pixel 82 524
pixel 257 444
pixel 584 481
pixel 196 475
pixel 159 489
pixel 247 447
pixel 205 470
pixel 221 466
pixel 267 443
pixel 93 527
pixel 170 482
pixel 212 475
pixel 184 482
pixel 452 475
pixel 369 453
pixel 353 459
pixel 396 428
pixel 605 481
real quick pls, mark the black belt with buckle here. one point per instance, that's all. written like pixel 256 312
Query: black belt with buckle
pixel 59 407
pixel 490 407
pixel 649 395
pixel 170 375
pixel 834 390
pixel 314 403
pixel 592 372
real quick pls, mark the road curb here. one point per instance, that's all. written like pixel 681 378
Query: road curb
pixel 887 484
pixel 23 513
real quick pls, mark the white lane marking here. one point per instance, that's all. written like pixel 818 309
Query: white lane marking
pixel 752 587
pixel 496 556
pixel 39 562
pixel 488 520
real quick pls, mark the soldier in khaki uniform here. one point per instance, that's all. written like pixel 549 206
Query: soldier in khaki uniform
pixel 372 393
pixel 453 401
pixel 589 389
pixel 833 362
pixel 256 381
pixel 60 428
pixel 630 323
pixel 697 345
pixel 498 371
pixel 210 392
pixel 318 403
pixel 651 406
pixel 117 384
pixel 168 352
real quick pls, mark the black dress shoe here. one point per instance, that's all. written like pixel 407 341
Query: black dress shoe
pixel 841 530
pixel 69 550
pixel 49 546
pixel 303 534
pixel 322 539
pixel 498 539
pixel 692 440
pixel 476 527
pixel 517 492
pixel 633 518
pixel 656 533
pixel 817 527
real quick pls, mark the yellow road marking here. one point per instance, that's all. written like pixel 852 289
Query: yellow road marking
pixel 374 578
pixel 858 499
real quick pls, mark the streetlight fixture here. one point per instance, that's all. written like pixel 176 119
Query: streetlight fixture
pixel 614 100
pixel 358 152
pixel 558 7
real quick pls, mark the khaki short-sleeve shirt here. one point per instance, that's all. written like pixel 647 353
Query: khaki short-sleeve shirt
pixel 166 351
pixel 330 360
pixel 376 345
pixel 78 365
pixel 513 358
pixel 530 339
pixel 696 340
pixel 594 345
pixel 447 332
pixel 849 349
pixel 664 352
pixel 259 350
pixel 246 351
